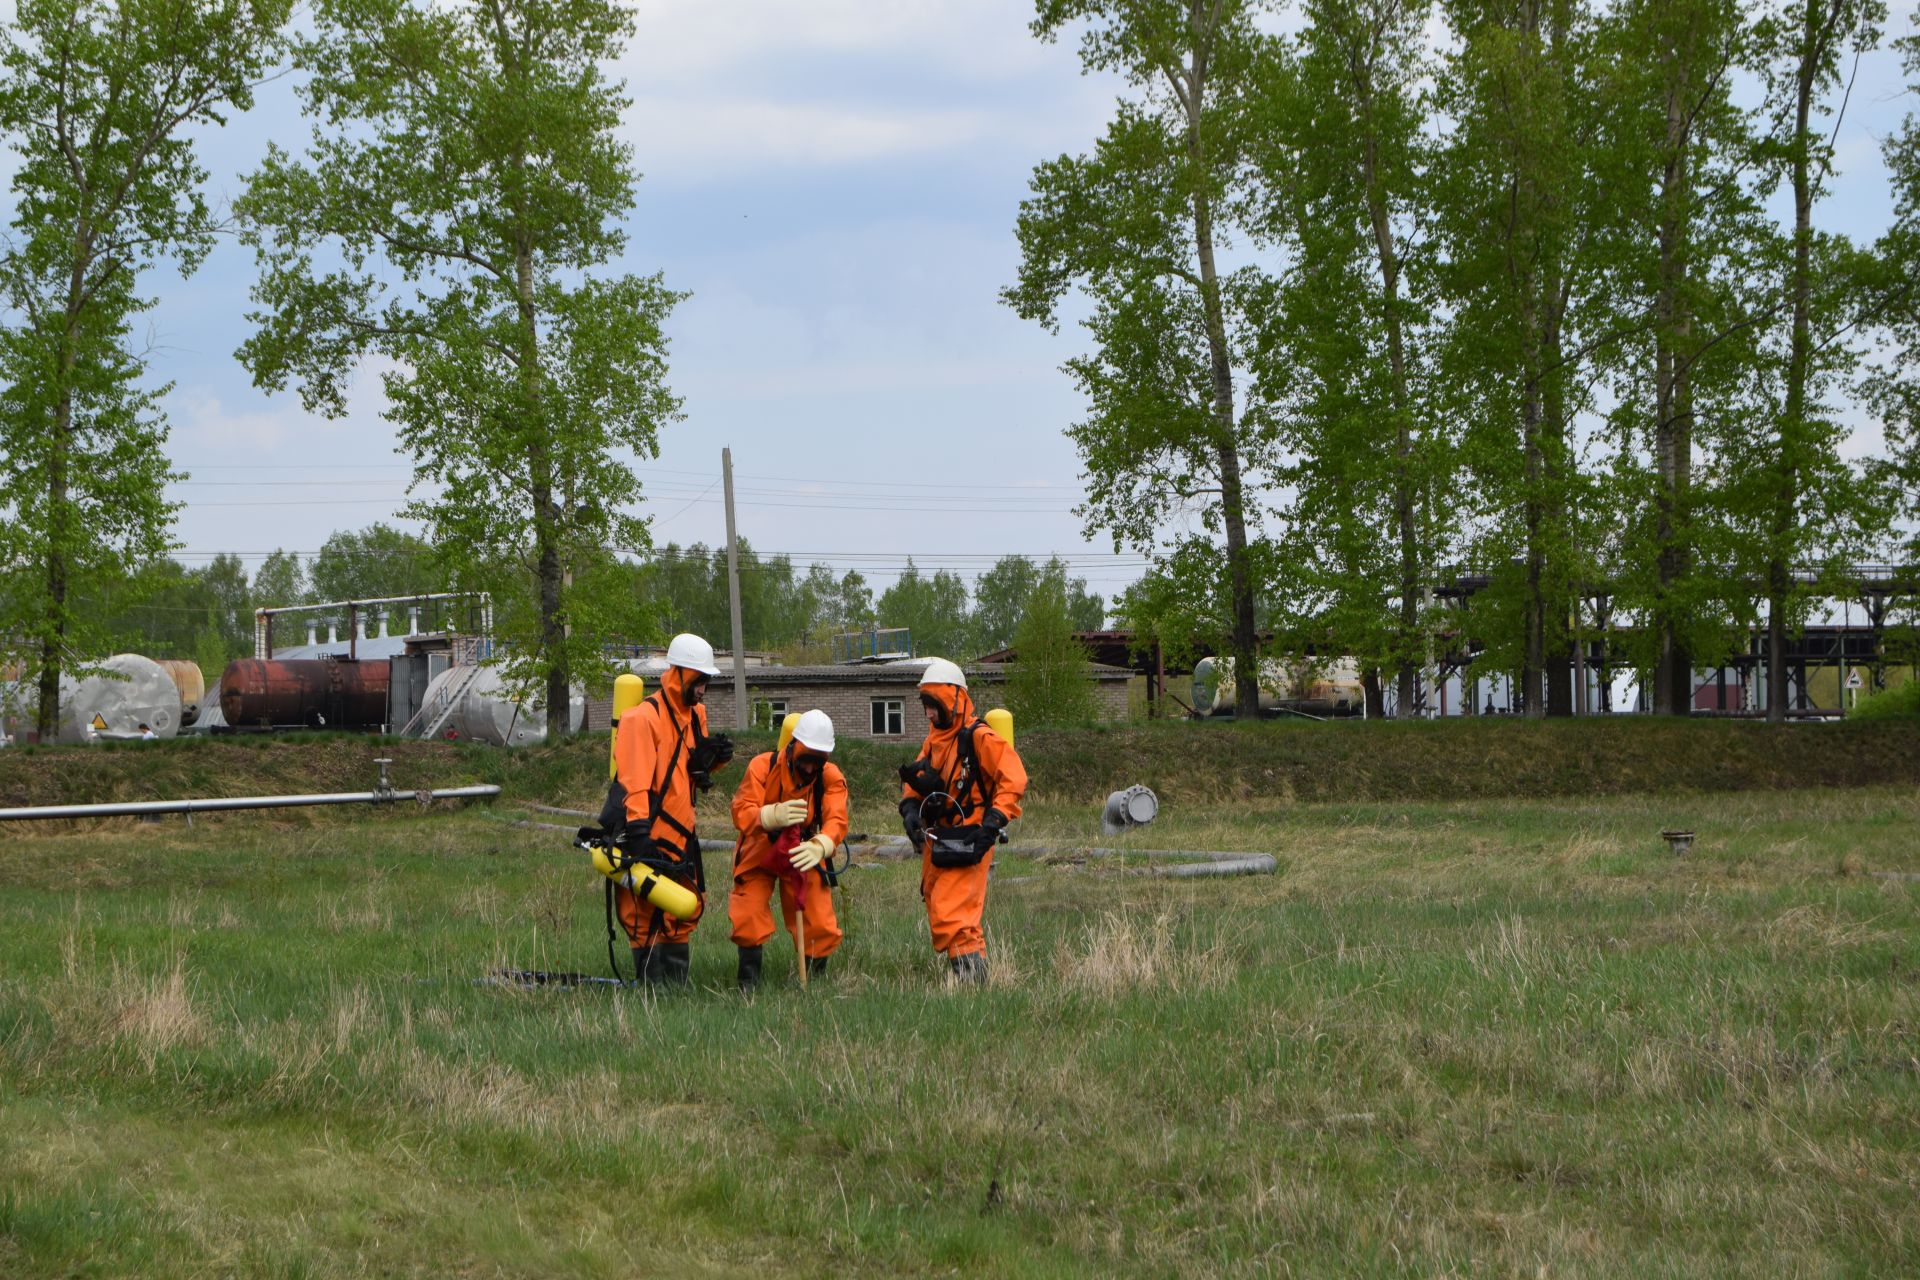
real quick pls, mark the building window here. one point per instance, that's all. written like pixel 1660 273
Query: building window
pixel 769 712
pixel 889 717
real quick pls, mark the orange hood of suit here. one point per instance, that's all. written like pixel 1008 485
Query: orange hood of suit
pixel 1002 776
pixel 645 747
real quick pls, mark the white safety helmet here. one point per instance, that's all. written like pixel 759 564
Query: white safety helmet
pixel 693 653
pixel 815 732
pixel 940 671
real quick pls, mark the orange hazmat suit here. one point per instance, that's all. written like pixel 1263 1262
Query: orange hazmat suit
pixel 650 754
pixel 956 897
pixel 769 780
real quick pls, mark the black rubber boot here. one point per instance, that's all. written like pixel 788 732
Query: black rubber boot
pixel 971 969
pixel 672 964
pixel 642 957
pixel 750 967
pixel 816 967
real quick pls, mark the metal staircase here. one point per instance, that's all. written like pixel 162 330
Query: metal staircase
pixel 439 709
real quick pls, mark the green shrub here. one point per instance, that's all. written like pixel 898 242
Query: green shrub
pixel 1902 702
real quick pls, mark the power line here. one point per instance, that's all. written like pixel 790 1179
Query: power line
pixel 643 472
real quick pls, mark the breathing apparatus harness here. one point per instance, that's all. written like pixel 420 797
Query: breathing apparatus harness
pixel 958 844
pixel 829 873
pixel 633 848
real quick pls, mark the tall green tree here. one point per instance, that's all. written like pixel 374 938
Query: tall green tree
pixel 933 606
pixel 1000 597
pixel 1682 251
pixel 1515 212
pixel 162 611
pixel 1892 387
pixel 1348 344
pixel 455 213
pixel 99 103
pixel 1138 228
pixel 1811 491
pixel 1048 684
pixel 375 563
pixel 281 580
pixel 231 598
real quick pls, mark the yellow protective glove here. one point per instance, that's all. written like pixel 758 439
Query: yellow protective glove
pixel 786 813
pixel 809 854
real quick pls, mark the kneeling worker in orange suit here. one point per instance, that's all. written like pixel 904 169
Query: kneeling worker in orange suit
pixel 661 753
pixel 791 812
pixel 957 798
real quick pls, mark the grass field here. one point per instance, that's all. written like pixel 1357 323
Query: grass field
pixel 1495 1037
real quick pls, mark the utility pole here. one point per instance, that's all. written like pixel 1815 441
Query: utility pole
pixel 733 599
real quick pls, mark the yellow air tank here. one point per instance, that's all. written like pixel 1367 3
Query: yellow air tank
pixel 670 896
pixel 1000 720
pixel 628 691
pixel 786 730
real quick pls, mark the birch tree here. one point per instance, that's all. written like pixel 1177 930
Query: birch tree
pixel 98 102
pixel 1893 384
pixel 454 214
pixel 1686 283
pixel 1515 215
pixel 1138 227
pixel 1811 493
pixel 1348 343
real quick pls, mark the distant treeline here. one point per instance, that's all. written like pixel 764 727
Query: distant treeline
pixel 206 612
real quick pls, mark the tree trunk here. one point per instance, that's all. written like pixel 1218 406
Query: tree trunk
pixel 1371 692
pixel 1246 669
pixel 1387 255
pixel 1673 425
pixel 53 638
pixel 1786 496
pixel 1533 660
pixel 549 571
pixel 1556 634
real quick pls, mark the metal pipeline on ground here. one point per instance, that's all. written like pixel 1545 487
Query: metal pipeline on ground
pixel 1190 862
pixel 138 808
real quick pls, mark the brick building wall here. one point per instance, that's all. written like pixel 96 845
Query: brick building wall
pixel 850 705
pixel 847 694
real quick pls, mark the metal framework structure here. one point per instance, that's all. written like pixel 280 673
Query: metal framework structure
pixel 477 622
pixel 1874 586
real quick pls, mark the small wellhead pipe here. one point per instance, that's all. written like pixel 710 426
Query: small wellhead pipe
pixel 216 805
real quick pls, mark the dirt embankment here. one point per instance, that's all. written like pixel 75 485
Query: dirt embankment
pixel 1196 763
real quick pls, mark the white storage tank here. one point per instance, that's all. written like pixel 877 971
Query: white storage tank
pixel 486 711
pixel 130 692
pixel 1321 688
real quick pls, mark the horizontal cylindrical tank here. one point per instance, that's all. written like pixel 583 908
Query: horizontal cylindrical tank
pixel 128 692
pixel 187 678
pixel 486 711
pixel 314 693
pixel 1318 688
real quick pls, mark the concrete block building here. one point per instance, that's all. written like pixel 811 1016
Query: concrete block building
pixel 876 700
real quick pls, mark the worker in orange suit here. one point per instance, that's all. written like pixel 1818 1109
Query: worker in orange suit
pixel 661 753
pixel 956 800
pixel 791 813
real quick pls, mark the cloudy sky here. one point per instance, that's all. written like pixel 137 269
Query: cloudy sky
pixel 835 183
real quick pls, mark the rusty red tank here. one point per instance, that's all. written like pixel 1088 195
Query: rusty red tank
pixel 313 693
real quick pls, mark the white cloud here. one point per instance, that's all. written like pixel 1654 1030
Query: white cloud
pixel 204 427
pixel 694 137
pixel 687 42
pixel 724 88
